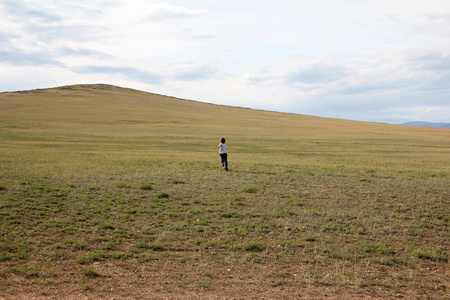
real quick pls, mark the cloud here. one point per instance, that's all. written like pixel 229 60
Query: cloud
pixel 435 68
pixel 35 23
pixel 434 108
pixel 20 10
pixel 166 11
pixel 436 17
pixel 60 34
pixel 125 72
pixel 195 72
pixel 19 58
pixel 316 74
pixel 366 85
pixel 256 79
pixel 84 52
pixel 307 72
pixel 434 61
pixel 51 57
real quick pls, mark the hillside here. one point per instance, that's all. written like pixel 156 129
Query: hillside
pixel 110 110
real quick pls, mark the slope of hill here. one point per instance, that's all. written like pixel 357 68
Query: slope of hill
pixel 110 110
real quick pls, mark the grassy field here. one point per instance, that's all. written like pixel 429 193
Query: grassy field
pixel 111 193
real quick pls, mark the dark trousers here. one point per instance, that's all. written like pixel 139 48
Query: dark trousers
pixel 224 157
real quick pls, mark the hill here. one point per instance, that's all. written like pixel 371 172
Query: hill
pixel 113 193
pixel 105 109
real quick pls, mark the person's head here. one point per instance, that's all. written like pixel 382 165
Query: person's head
pixel 222 140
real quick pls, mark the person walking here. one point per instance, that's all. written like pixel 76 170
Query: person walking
pixel 223 153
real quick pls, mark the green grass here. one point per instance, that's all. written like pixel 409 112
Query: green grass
pixel 253 247
pixel 146 186
pixel 251 189
pixel 163 195
pixel 103 207
pixel 89 272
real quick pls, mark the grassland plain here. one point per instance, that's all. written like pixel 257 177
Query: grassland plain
pixel 108 193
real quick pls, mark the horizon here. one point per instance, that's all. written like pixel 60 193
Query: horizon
pixel 409 123
pixel 380 62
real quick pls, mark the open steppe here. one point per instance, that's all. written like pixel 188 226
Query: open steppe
pixel 113 193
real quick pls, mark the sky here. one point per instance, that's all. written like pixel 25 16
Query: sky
pixel 368 60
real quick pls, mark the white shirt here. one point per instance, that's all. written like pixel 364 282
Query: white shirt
pixel 222 148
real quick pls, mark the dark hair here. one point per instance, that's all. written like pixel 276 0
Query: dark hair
pixel 222 140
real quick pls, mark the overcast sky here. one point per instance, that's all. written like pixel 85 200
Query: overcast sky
pixel 370 60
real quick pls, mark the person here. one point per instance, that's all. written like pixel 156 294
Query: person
pixel 223 153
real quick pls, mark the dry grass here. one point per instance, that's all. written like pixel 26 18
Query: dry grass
pixel 108 192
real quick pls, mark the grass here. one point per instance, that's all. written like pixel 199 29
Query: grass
pixel 89 272
pixel 253 246
pixel 146 186
pixel 251 189
pixel 106 207
pixel 163 195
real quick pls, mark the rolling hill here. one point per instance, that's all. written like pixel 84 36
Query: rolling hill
pixel 109 110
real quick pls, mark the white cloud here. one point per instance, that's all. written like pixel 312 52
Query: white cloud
pixel 130 72
pixel 434 109
pixel 167 12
